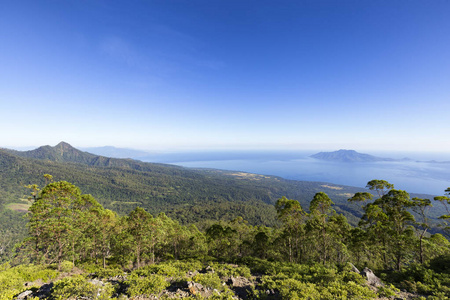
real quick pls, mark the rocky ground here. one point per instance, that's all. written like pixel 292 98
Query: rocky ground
pixel 240 287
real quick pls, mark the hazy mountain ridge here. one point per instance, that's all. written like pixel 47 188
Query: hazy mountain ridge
pixel 63 152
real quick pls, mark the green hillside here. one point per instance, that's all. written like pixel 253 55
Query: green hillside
pixel 189 195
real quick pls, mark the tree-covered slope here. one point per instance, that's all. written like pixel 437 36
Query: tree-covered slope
pixel 189 195
pixel 77 249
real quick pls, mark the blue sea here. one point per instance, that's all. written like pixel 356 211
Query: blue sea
pixel 417 175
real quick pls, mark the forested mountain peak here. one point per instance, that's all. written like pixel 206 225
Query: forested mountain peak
pixel 63 152
pixel 63 146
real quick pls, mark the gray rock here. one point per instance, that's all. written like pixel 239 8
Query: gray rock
pixel 24 295
pixel 96 282
pixel 372 279
pixel 239 282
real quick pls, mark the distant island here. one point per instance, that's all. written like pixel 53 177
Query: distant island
pixel 351 156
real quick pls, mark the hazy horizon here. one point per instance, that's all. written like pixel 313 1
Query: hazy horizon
pixel 394 154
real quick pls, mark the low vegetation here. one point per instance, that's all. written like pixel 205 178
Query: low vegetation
pixel 74 248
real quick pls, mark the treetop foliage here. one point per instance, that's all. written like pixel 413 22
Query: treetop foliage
pixel 307 256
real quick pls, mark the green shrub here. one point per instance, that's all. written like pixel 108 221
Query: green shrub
pixel 316 282
pixel 97 271
pixel 66 266
pixel 227 270
pixel 210 280
pixel 346 290
pixel 78 287
pixel 294 289
pixel 387 291
pixel 12 279
pixel 152 284
pixel 108 273
pixel 35 272
pixel 160 269
pixel 441 264
pixel 418 278
pixel 187 265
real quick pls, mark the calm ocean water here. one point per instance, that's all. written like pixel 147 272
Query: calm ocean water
pixel 413 176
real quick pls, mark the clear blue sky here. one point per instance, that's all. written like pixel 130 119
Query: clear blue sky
pixel 228 74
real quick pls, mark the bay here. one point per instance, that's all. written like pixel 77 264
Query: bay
pixel 422 177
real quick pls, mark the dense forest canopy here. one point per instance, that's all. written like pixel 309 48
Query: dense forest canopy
pixel 68 227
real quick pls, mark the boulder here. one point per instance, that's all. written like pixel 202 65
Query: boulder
pixel 24 295
pixel 372 279
pixel 241 286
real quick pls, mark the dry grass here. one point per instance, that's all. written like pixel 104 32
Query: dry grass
pixel 248 175
pixel 348 195
pixel 20 207
pixel 332 187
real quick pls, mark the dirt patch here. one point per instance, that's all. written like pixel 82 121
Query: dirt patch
pixel 248 175
pixel 332 187
pixel 348 195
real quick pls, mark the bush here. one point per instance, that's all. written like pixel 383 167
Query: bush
pixel 294 289
pixel 78 286
pixel 108 273
pixel 387 291
pixel 418 278
pixel 316 282
pixel 441 264
pixel 12 279
pixel 160 269
pixel 227 270
pixel 187 265
pixel 152 284
pixel 66 266
pixel 210 280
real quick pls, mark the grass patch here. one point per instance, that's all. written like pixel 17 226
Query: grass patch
pixel 20 207
pixel 120 202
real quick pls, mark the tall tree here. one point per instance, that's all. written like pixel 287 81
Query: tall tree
pixel 421 207
pixel 220 239
pixel 52 226
pixel 320 208
pixel 139 228
pixel 396 204
pixel 388 220
pixel 293 217
pixel 445 200
pixel 381 187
